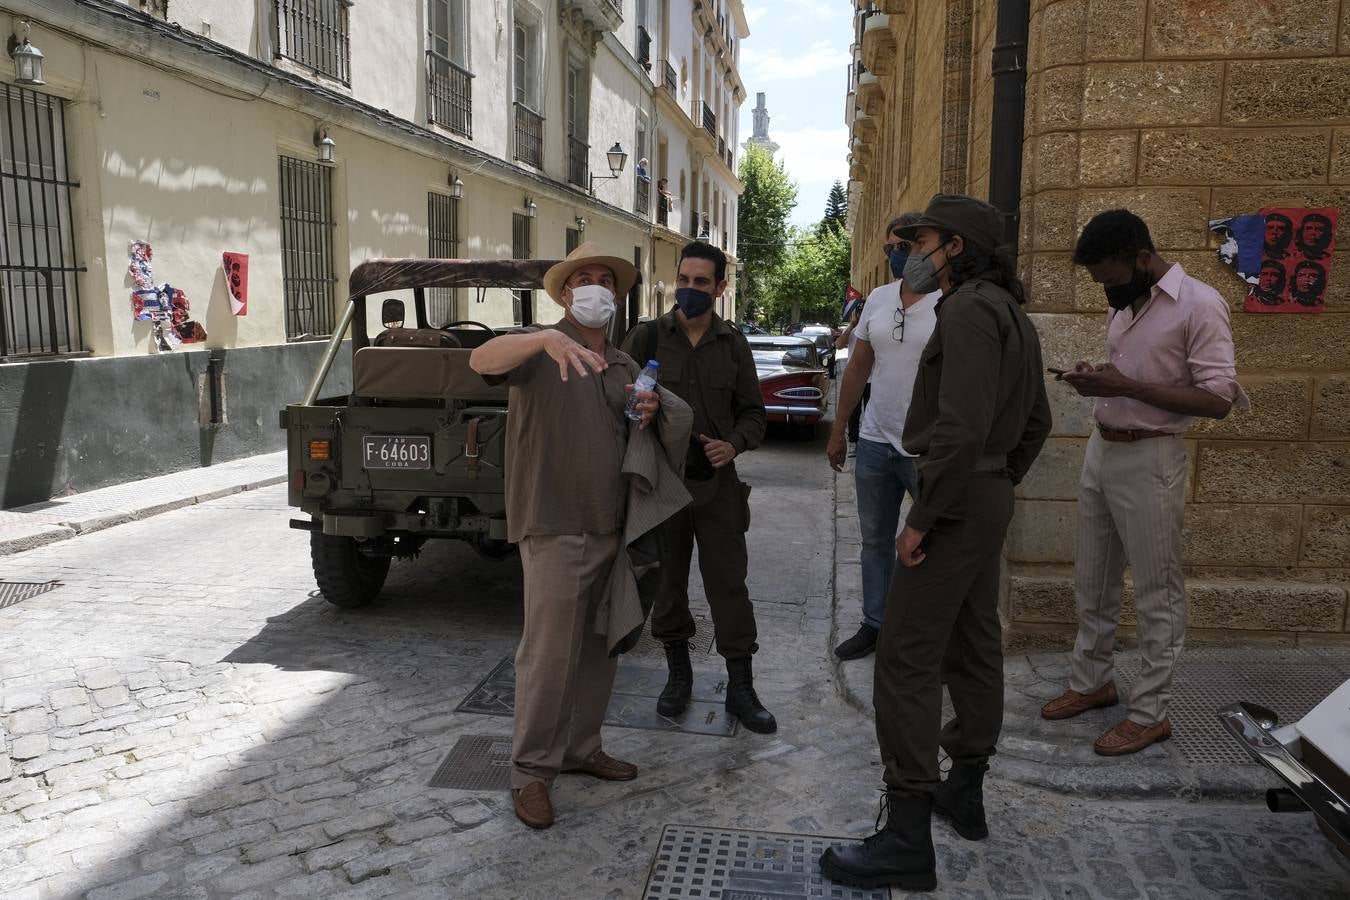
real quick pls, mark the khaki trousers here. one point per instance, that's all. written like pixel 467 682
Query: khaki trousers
pixel 564 673
pixel 1131 499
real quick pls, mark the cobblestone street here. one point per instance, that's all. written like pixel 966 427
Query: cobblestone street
pixel 184 717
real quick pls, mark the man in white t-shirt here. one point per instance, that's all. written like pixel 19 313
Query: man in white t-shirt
pixel 895 326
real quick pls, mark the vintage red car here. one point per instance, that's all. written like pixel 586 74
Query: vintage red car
pixel 793 378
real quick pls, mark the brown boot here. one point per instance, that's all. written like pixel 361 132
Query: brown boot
pixel 1071 703
pixel 532 804
pixel 602 765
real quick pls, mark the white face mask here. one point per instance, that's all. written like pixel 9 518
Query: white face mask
pixel 592 305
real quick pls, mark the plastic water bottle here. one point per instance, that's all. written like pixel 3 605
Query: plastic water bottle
pixel 645 382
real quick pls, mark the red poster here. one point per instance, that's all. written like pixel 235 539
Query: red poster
pixel 236 281
pixel 1295 261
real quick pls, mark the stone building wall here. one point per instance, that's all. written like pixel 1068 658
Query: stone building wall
pixel 1183 111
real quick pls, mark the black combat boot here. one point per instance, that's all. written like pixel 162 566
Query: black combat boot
pixel 674 697
pixel 742 702
pixel 900 853
pixel 960 800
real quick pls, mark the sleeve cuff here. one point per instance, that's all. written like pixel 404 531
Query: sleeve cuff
pixel 920 519
pixel 738 442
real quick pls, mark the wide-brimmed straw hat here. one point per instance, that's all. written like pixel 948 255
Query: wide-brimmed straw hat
pixel 588 254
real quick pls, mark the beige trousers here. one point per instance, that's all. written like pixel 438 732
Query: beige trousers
pixel 1131 498
pixel 564 672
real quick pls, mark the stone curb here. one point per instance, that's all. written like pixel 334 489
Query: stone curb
pixel 28 537
pixel 1063 763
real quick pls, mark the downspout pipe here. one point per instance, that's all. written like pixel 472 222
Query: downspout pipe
pixel 1006 129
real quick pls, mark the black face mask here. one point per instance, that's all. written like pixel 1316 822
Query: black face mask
pixel 1122 296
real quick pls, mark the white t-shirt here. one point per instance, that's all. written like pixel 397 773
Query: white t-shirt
pixel 897 362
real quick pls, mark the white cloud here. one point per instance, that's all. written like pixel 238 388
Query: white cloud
pixel 771 65
pixel 814 155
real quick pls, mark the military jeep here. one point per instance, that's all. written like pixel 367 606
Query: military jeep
pixel 415 452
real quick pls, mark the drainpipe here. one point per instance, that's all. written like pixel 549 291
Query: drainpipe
pixel 1010 82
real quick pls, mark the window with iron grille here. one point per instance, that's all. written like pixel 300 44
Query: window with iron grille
pixel 316 34
pixel 307 226
pixel 521 301
pixel 443 243
pixel 40 307
pixel 449 81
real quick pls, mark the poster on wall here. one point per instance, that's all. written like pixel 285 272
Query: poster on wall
pixel 236 281
pixel 163 305
pixel 1297 246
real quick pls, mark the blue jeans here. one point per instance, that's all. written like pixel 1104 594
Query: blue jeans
pixel 882 475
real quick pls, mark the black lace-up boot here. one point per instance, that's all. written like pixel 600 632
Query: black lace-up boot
pixel 960 800
pixel 743 702
pixel 901 853
pixel 674 697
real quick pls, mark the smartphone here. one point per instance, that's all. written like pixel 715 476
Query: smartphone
pixel 1056 372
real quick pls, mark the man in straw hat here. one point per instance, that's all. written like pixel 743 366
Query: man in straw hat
pixel 566 440
pixel 977 421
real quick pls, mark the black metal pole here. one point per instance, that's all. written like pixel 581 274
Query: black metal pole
pixel 1010 81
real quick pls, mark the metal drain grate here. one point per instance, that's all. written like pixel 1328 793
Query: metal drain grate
pixel 716 864
pixel 12 592
pixel 700 643
pixel 477 762
pixel 1291 682
pixel 631 705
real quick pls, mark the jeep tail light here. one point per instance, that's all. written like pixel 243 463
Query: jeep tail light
pixel 298 480
pixel 320 450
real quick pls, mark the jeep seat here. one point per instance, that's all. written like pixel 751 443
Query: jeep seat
pixel 420 373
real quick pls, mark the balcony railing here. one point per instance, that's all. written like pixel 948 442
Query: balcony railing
pixel 722 147
pixel 644 48
pixel 642 197
pixel 709 121
pixel 529 136
pixel 672 81
pixel 731 160
pixel 662 210
pixel 578 161
pixel 705 229
pixel 693 225
pixel 449 94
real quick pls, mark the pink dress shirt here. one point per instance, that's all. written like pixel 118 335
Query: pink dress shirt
pixel 1181 337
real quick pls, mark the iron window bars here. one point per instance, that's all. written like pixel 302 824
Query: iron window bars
pixel 316 34
pixel 307 226
pixel 443 243
pixel 40 309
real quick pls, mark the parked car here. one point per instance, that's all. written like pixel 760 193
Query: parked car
pixel 823 336
pixel 792 378
pixel 748 328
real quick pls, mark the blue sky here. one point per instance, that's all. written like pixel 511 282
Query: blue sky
pixel 797 54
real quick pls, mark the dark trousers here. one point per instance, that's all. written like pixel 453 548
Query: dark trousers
pixel 719 526
pixel 942 622
pixel 855 420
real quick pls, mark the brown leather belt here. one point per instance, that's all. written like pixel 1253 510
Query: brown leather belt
pixel 1129 436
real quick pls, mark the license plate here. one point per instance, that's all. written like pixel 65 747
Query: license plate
pixel 396 451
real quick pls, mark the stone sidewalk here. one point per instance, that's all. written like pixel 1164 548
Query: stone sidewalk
pixel 61 518
pixel 1199 762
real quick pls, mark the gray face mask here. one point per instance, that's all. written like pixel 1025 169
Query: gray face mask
pixel 921 274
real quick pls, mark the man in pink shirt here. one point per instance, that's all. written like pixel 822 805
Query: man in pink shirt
pixel 1169 359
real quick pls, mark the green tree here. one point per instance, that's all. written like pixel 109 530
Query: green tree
pixel 836 208
pixel 809 284
pixel 761 224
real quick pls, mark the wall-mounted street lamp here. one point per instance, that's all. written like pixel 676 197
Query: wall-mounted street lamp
pixel 617 156
pixel 326 145
pixel 581 224
pixel 531 208
pixel 27 58
pixel 456 186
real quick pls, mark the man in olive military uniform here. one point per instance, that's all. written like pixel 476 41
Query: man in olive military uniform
pixel 977 421
pixel 708 364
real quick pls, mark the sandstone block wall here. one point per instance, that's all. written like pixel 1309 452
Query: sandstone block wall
pixel 1183 111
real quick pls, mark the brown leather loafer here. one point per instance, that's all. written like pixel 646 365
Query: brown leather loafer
pixel 1071 703
pixel 1127 737
pixel 602 765
pixel 533 807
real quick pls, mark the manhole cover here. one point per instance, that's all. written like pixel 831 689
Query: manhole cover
pixel 477 762
pixel 1291 682
pixel 702 642
pixel 631 705
pixel 717 864
pixel 12 592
